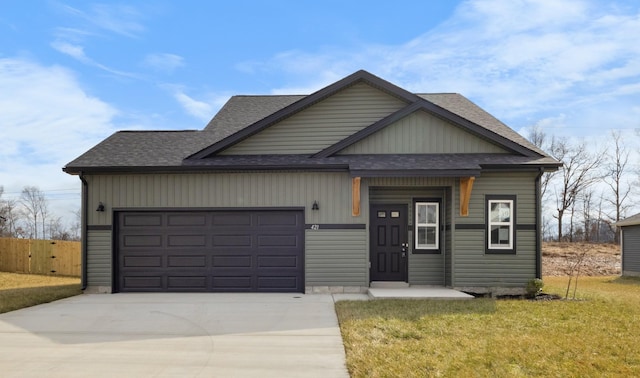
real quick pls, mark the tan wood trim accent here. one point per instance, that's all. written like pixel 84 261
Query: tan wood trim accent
pixel 355 196
pixel 466 185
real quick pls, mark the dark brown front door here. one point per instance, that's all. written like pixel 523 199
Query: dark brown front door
pixel 388 241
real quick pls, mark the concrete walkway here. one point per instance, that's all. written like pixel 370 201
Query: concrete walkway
pixel 174 335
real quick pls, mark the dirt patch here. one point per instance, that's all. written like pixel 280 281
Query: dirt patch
pixel 599 259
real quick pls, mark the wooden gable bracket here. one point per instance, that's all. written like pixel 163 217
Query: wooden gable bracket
pixel 466 184
pixel 355 196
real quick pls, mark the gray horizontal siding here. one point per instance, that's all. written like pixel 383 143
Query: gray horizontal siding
pixel 520 184
pixel 471 266
pixel 322 124
pixel 426 269
pixel 336 258
pixel 475 268
pixel 99 259
pixel 421 133
pixel 631 249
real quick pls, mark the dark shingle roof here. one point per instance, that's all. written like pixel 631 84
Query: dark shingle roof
pixel 168 149
pixel 391 164
pixel 241 111
pixel 462 106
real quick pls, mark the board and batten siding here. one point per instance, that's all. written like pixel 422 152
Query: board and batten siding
pixel 421 133
pixel 344 250
pixel 322 124
pixel 332 191
pixel 631 250
pixel 336 258
pixel 472 266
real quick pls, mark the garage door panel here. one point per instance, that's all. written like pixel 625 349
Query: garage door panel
pixel 186 240
pixel 154 261
pixel 234 240
pixel 190 283
pixel 277 262
pixel 232 283
pixel 142 282
pixel 279 283
pixel 278 241
pixel 191 250
pixel 186 261
pixel 231 219
pixel 232 261
pixel 183 220
pixel 132 220
pixel 129 241
pixel 277 219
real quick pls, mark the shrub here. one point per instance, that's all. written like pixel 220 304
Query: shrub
pixel 534 287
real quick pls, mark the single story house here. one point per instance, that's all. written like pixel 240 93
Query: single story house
pixel 361 181
pixel 630 245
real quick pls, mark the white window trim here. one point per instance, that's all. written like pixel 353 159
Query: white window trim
pixel 436 225
pixel 510 224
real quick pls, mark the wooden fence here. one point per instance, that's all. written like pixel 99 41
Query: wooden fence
pixel 51 257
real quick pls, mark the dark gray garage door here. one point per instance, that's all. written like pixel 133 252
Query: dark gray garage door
pixel 226 251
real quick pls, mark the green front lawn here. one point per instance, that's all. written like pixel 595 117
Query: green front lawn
pixel 24 290
pixel 596 335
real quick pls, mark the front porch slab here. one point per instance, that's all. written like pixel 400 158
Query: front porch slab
pixel 417 292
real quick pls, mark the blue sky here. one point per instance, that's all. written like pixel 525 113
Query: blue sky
pixel 74 72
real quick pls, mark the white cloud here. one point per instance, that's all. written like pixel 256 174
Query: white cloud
pixel 521 60
pixel 74 51
pixel 163 62
pixel 46 121
pixel 198 109
pixel 77 52
pixel 115 18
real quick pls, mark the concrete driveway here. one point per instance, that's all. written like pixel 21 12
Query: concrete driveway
pixel 174 335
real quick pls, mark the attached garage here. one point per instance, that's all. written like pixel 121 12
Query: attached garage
pixel 209 251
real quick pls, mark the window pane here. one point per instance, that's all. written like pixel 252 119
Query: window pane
pixel 382 214
pixel 395 214
pixel 422 214
pixel 427 237
pixel 500 212
pixel 500 235
pixel 422 236
pixel 432 214
pixel 431 235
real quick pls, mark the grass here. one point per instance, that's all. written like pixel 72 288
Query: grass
pixel 24 290
pixel 595 335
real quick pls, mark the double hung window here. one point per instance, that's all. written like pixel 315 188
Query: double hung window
pixel 500 224
pixel 427 226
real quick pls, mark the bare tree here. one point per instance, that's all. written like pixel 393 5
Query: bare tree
pixel 616 161
pixel 578 172
pixel 587 218
pixel 76 226
pixel 33 202
pixel 540 139
pixel 3 216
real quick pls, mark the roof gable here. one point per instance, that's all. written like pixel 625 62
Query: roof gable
pixel 422 133
pixel 489 134
pixel 322 124
pixel 305 102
